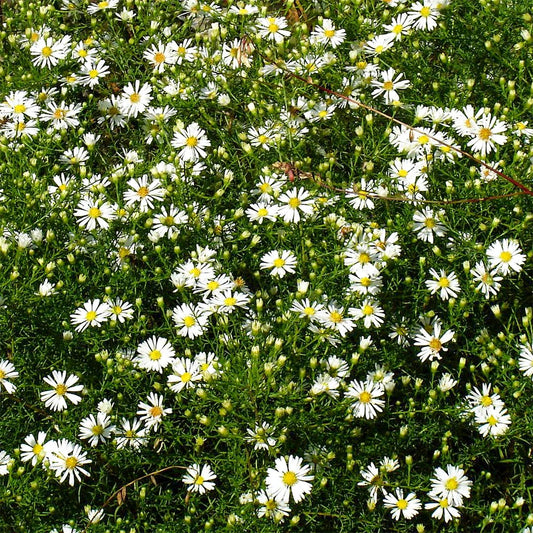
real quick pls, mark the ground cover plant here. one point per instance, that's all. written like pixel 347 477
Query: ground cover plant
pixel 266 266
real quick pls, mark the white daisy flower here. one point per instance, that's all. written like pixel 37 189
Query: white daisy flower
pixel 289 477
pixel 63 388
pixel 199 478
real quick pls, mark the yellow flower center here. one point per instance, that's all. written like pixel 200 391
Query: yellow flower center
pixel 93 73
pixel 397 29
pixel 156 411
pixel 423 139
pixel 191 142
pixel 103 5
pixel 230 301
pixel 199 480
pixel 71 463
pixel 361 65
pixel 195 272
pixel 46 51
pixel 262 212
pixel 484 134
pixel 506 256
pixel 116 309
pixel 90 316
pixel 271 505
pixel 435 344
pixel 365 397
pixel 294 202
pixel 159 58
pixel 368 310
pixel 186 377
pixel 329 33
pixel 289 478
pixel 444 503
pixel 60 389
pixel 388 85
pixel 279 262
pixel 401 504
pixel 213 285
pixel 155 355
pixel 135 98
pixel 37 448
pixel 189 321
pixel 97 430
pixel 60 114
pixel 309 311
pixel 430 223
pixel 263 139
pixel 335 317
pixel 379 49
pixel 20 108
pixel 143 192
pixel 425 11
pixel 492 421
pixel 273 28
pixel 485 401
pixel 444 282
pixel 451 484
pixel 365 282
pixel 364 258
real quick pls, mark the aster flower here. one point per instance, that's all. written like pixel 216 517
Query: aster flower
pixel 272 507
pixel 8 372
pixel 488 280
pixel 427 224
pixel 451 484
pixel 93 313
pixel 67 460
pixel 488 133
pixel 400 506
pixel 442 508
pixel 135 99
pixel 370 312
pixel 131 434
pixel 93 213
pixel 273 28
pixel 185 374
pixel 295 203
pixel 96 429
pixel 63 388
pixel 261 436
pixel 153 411
pixel 289 477
pixel 47 52
pixel 445 284
pixel 35 449
pixel 279 262
pixel 154 354
pixel 432 343
pixel 199 478
pixel 190 322
pixel 367 396
pixel 505 255
pixel 525 363
pixel 493 421
pixel 389 85
pixel 5 460
pixel 327 34
pixel 191 141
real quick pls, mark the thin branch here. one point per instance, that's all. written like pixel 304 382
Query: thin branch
pixel 468 155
